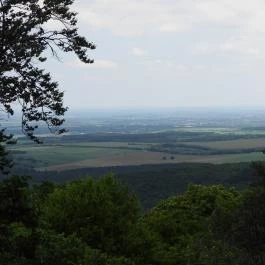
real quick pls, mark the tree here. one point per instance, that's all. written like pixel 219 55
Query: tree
pixel 247 231
pixel 183 225
pixel 18 220
pixel 24 42
pixel 26 239
pixel 101 212
pixel 5 162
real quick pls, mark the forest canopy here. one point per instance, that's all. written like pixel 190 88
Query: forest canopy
pixel 94 222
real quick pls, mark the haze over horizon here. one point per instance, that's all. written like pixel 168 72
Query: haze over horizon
pixel 157 53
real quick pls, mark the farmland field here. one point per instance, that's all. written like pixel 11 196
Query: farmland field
pixel 146 138
pixel 149 158
pixel 80 155
pixel 56 155
pixel 233 144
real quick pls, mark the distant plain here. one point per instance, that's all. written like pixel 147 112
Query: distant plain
pixel 147 138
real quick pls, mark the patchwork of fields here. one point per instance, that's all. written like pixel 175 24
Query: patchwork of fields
pixel 73 155
pixel 127 139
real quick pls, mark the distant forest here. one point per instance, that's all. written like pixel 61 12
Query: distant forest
pixel 155 182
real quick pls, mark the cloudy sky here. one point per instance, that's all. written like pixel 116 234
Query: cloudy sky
pixel 167 53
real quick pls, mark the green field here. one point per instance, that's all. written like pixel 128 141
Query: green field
pixel 100 154
pixel 57 155
pixel 233 144
pixel 214 145
pixel 149 158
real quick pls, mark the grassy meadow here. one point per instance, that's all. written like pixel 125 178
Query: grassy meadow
pixel 101 154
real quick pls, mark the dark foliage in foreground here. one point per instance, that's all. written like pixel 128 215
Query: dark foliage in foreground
pixel 99 222
pixel 25 38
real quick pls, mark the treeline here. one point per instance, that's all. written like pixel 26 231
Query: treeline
pixel 100 222
pixel 152 137
pixel 188 149
pixel 153 183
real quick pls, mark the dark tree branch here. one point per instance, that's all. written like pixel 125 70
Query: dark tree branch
pixel 23 40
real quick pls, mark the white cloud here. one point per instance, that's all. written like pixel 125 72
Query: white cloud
pixel 232 46
pixel 138 52
pixel 172 27
pixel 200 50
pixel 166 66
pixel 106 64
pixel 135 17
pixel 243 19
pixel 98 64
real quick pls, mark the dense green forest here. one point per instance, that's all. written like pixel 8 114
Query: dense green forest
pixel 153 183
pixel 99 221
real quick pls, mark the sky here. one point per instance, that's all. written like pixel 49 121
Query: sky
pixel 167 53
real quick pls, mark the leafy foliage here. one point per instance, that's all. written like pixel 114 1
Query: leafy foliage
pixel 60 249
pixel 5 161
pixel 105 214
pixel 94 222
pixel 26 35
pixel 24 38
pixel 248 229
pixel 18 220
pixel 182 223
